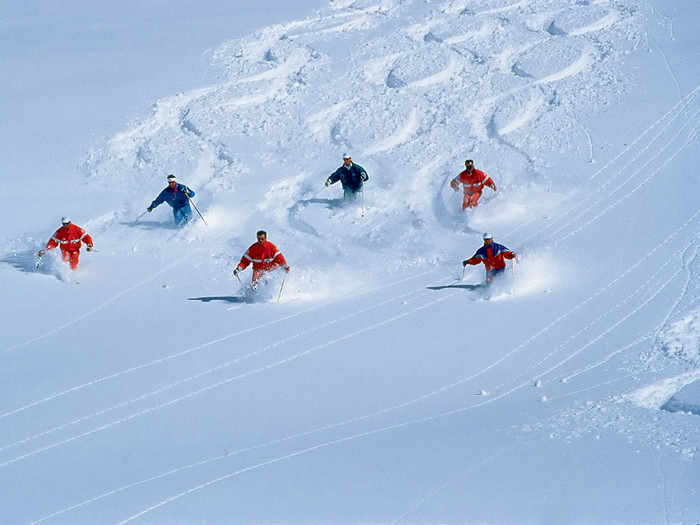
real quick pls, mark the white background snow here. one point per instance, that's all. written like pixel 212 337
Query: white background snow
pixel 385 386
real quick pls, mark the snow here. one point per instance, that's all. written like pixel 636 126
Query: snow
pixel 387 384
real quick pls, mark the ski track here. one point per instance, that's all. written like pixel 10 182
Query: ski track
pixel 453 482
pixel 573 202
pixel 197 376
pixel 525 382
pixel 210 343
pixel 688 141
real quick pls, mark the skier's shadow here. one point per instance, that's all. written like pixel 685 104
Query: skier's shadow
pixel 463 286
pixel 25 261
pixel 295 216
pixel 223 298
pixel 330 203
pixel 150 225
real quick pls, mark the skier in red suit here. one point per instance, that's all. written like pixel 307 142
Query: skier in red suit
pixel 264 256
pixel 69 237
pixel 473 182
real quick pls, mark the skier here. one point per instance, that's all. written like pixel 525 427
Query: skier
pixel 178 198
pixel 69 237
pixel 493 256
pixel 473 182
pixel 265 257
pixel 351 176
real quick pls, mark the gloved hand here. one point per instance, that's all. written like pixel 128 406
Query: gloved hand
pixel 328 182
pixel 42 253
pixel 235 272
pixel 464 263
pixel 456 187
pixel 89 247
pixel 149 209
pixel 493 187
pixel 286 268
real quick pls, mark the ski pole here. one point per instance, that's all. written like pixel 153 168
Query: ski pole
pixel 315 194
pixel 39 260
pixel 464 267
pixel 512 269
pixel 195 207
pixel 144 213
pixel 363 200
pixel 281 286
pixel 448 200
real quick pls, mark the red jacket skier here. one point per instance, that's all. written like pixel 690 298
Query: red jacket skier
pixel 473 182
pixel 265 257
pixel 493 256
pixel 69 237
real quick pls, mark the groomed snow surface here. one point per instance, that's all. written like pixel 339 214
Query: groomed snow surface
pixel 378 382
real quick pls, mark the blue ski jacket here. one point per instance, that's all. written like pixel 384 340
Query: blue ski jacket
pixel 351 178
pixel 176 197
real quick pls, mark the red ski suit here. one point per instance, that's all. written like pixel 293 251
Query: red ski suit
pixel 265 257
pixel 69 239
pixel 473 183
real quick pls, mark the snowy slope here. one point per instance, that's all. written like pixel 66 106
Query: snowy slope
pixel 386 386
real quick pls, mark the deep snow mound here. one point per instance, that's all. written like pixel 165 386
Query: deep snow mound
pixel 410 101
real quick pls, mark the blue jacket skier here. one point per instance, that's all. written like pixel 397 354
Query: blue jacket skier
pixel 178 198
pixel 351 176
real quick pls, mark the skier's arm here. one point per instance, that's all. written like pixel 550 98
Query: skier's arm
pixel 475 260
pixel 53 243
pixel 88 241
pixel 245 261
pixel 334 177
pixel 160 199
pixel 281 261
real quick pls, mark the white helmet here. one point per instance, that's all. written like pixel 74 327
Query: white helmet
pixel 346 156
pixel 65 219
pixel 487 236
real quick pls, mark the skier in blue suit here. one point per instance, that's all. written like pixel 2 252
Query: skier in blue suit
pixel 351 176
pixel 178 198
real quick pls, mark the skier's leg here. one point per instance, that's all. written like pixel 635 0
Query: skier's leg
pixel 179 216
pixel 74 256
pixel 65 255
pixel 186 213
